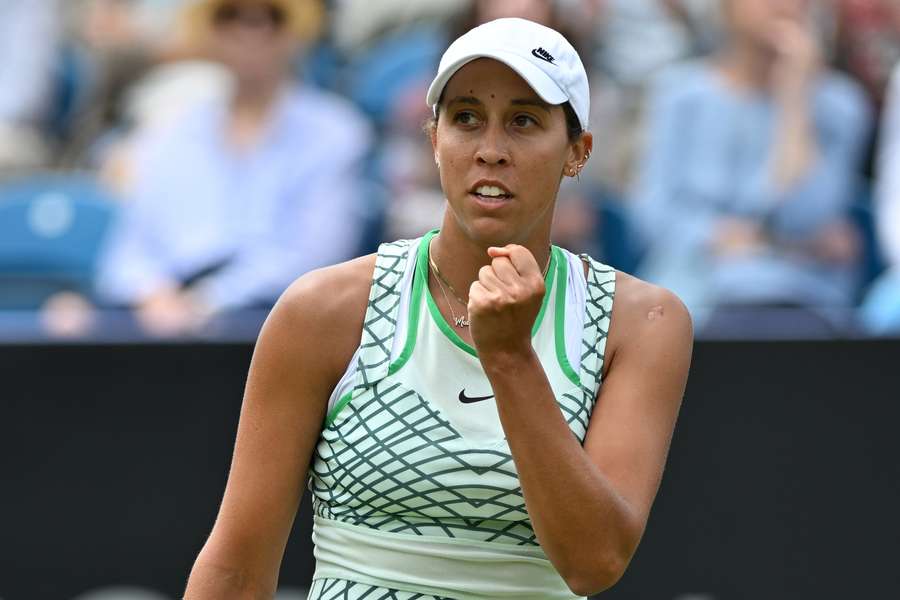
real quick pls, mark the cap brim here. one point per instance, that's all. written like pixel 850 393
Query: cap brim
pixel 537 79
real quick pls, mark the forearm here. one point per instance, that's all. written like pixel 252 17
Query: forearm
pixel 216 578
pixel 586 528
pixel 795 149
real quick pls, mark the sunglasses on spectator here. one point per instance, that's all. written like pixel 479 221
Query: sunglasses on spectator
pixel 263 15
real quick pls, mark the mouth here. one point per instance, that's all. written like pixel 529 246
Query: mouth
pixel 491 192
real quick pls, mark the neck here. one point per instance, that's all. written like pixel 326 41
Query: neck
pixel 255 99
pixel 747 65
pixel 250 113
pixel 459 257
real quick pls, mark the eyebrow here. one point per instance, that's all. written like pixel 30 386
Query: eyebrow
pixel 531 102
pixel 515 102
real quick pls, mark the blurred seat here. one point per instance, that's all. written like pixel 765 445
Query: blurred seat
pixel 52 227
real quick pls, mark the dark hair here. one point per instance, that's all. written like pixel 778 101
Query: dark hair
pixel 573 125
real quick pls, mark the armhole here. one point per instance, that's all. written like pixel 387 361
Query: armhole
pixel 576 308
pixel 601 290
pixel 370 355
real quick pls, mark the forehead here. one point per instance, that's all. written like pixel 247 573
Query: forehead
pixel 775 7
pixel 485 77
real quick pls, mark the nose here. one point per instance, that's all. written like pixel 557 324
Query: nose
pixel 493 148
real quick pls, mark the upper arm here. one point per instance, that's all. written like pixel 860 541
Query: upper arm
pixel 291 376
pixel 649 347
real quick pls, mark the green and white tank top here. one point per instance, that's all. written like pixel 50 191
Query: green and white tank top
pixel 414 486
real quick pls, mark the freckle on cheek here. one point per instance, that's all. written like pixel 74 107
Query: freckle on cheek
pixel 655 313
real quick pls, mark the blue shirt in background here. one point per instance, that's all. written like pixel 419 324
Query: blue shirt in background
pixel 708 156
pixel 264 216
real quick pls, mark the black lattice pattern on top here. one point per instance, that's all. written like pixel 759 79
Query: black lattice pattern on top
pixel 391 462
pixel 381 314
pixel 340 589
pixel 601 290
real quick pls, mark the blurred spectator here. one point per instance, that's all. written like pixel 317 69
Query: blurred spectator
pixel 113 44
pixel 881 309
pixel 29 44
pixel 751 166
pixel 239 195
pixel 637 38
pixel 633 41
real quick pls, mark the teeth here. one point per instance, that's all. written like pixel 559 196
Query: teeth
pixel 489 190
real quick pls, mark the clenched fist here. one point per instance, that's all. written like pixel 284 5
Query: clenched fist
pixel 505 301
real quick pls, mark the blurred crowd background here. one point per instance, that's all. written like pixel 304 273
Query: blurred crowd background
pixel 168 167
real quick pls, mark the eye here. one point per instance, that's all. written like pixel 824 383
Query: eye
pixel 524 120
pixel 465 117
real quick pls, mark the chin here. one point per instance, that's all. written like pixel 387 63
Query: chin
pixel 488 231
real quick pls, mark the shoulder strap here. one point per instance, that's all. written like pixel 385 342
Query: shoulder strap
pixel 380 322
pixel 601 290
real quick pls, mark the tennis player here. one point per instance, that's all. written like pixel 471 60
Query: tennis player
pixel 443 398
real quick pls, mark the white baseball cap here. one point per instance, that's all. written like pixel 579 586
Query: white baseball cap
pixel 540 55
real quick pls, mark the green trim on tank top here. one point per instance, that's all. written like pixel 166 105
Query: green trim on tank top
pixel 407 351
pixel 414 309
pixel 560 329
pixel 438 317
pixel 557 272
pixel 338 407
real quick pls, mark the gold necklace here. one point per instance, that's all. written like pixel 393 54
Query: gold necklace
pixel 462 321
pixel 458 321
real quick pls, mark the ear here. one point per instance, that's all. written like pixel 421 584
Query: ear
pixel 432 135
pixel 579 153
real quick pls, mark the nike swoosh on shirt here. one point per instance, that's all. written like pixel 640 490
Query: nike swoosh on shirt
pixel 470 399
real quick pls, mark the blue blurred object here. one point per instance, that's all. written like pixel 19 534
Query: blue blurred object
pixel 861 215
pixel 618 241
pixel 378 77
pixel 51 231
pixel 880 310
pixel 74 77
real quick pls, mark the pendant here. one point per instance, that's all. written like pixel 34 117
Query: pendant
pixel 461 321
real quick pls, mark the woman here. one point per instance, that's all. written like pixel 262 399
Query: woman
pixel 238 195
pixel 465 451
pixel 748 177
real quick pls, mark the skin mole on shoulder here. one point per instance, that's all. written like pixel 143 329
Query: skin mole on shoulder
pixel 657 312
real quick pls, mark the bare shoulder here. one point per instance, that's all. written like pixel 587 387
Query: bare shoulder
pixel 324 310
pixel 645 313
pixel 331 291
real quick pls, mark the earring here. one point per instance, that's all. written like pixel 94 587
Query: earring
pixel 580 165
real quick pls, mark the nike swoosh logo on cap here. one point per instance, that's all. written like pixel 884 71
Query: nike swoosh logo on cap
pixel 543 55
pixel 471 399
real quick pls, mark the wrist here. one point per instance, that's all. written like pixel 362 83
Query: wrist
pixel 507 360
